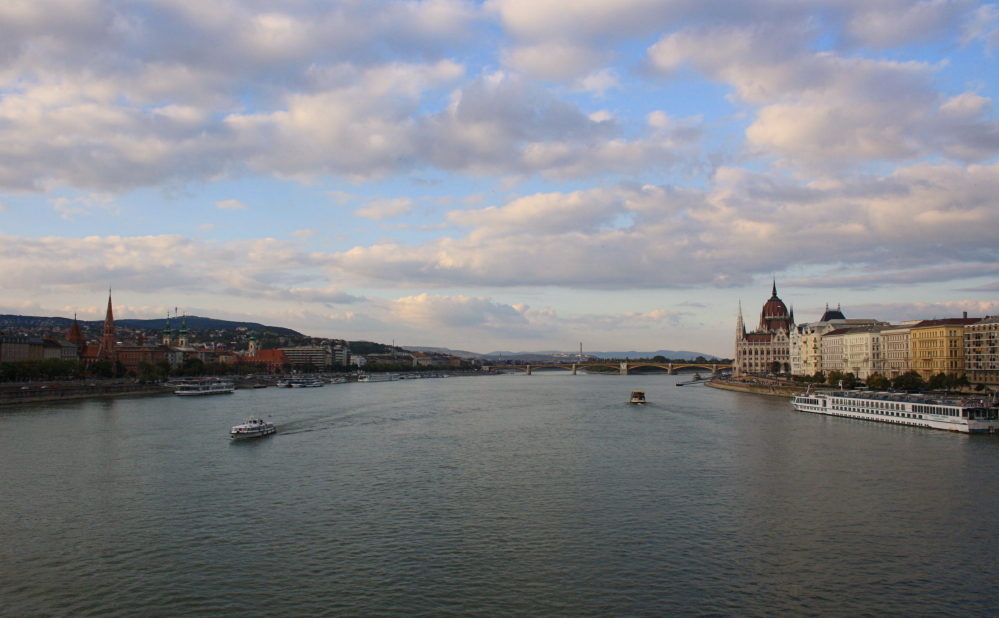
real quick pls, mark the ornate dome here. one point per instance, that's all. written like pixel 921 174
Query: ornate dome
pixel 775 314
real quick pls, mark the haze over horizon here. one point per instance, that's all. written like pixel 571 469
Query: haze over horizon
pixel 507 174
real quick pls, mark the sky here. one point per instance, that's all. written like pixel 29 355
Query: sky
pixel 515 175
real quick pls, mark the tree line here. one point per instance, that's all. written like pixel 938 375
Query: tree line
pixel 909 381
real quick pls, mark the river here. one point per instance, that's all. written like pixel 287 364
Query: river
pixel 543 495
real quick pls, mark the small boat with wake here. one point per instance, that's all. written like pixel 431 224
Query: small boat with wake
pixel 638 397
pixel 253 428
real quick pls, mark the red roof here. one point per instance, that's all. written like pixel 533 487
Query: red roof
pixel 276 357
pixel 947 322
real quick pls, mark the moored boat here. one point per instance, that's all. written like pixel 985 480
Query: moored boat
pixel 204 387
pixel 964 415
pixel 378 377
pixel 252 428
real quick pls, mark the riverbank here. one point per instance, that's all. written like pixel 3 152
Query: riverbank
pixel 37 394
pixel 773 389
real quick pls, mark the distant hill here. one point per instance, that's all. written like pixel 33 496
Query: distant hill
pixel 193 321
pixel 458 353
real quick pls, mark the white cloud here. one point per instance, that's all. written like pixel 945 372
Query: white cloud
pixel 303 235
pixel 230 205
pixel 822 110
pixel 385 209
pixel 919 217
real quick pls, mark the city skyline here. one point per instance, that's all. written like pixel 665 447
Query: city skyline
pixel 499 175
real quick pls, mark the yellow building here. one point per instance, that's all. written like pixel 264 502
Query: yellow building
pixel 937 346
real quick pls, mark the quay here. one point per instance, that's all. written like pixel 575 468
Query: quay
pixel 38 392
pixel 759 387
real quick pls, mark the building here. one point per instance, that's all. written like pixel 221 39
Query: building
pixel 937 346
pixel 107 350
pixel 318 358
pixel 895 353
pixel 341 355
pixel 862 351
pixel 809 345
pixel 61 349
pixel 273 361
pixel 981 352
pixel 16 348
pixel 833 347
pixel 766 349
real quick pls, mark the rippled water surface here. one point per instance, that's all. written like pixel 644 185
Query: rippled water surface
pixel 545 495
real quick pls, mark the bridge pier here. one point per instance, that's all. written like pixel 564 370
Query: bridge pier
pixel 624 369
pixel 574 369
pixel 714 371
pixel 670 371
pixel 528 370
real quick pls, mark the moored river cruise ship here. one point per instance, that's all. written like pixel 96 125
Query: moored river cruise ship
pixel 205 387
pixel 968 415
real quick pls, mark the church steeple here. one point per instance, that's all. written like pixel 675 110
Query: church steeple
pixel 167 333
pixel 182 340
pixel 774 293
pixel 107 351
pixel 75 335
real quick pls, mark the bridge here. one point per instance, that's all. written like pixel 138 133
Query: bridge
pixel 623 367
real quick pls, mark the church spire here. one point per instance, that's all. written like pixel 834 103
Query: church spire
pixel 775 288
pixel 107 350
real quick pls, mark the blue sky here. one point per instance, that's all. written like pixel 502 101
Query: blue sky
pixel 513 174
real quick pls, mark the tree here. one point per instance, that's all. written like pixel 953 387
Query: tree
pixel 659 359
pixel 787 367
pixel 835 377
pixel 908 381
pixel 819 377
pixel 979 387
pixel 102 369
pixel 775 367
pixel 849 380
pixel 939 382
pixel 878 382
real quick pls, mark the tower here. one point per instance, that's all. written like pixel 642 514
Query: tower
pixel 253 346
pixel 167 333
pixel 182 339
pixel 75 335
pixel 107 351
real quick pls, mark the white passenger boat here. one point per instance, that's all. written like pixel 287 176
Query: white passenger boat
pixel 637 397
pixel 378 377
pixel 205 387
pixel 253 428
pixel 967 415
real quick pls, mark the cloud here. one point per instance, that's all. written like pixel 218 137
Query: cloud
pixel 303 235
pixel 230 205
pixel 385 209
pixel 896 312
pixel 824 110
pixel 920 221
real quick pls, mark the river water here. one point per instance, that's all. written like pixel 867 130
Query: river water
pixel 543 495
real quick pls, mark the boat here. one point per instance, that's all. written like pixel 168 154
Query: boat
pixel 284 384
pixel 378 377
pixel 697 377
pixel 963 415
pixel 252 428
pixel 316 384
pixel 637 397
pixel 204 387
